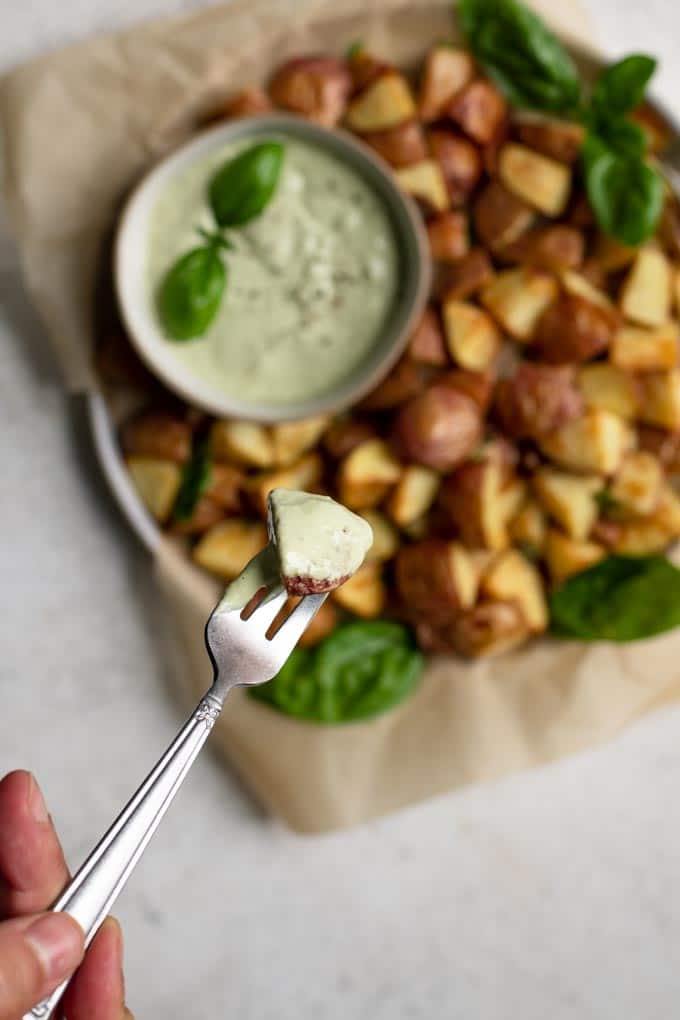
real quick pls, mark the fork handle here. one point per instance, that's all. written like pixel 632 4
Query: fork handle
pixel 90 895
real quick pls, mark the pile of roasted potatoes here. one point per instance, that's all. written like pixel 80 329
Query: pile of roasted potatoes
pixel 533 425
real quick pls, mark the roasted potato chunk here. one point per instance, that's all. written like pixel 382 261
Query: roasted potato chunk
pixel 226 548
pixel 366 474
pixel 427 345
pixel 438 429
pixel 460 162
pixel 448 235
pixel 470 503
pixel 316 87
pixel 345 435
pixel 472 336
pixel 157 483
pixel 572 329
pixel 645 350
pixel 529 527
pixel 636 486
pixel 569 499
pixel 565 556
pixel 401 145
pixel 537 400
pixel 667 510
pixel 365 67
pixel 661 399
pixel 407 378
pixel 386 102
pixel 478 386
pixel 609 388
pixel 246 103
pixel 480 110
pixel 612 255
pixel 646 292
pixel 664 445
pixel 436 577
pixel 425 182
pixel 205 514
pixel 159 435
pixel 554 247
pixel 242 442
pixel 640 538
pixel 446 72
pixel 385 537
pixel 500 217
pixel 225 486
pixel 558 139
pixel 304 474
pixel 468 275
pixel 364 594
pixel 323 624
pixel 539 181
pixel 517 298
pixel 413 495
pixel 578 286
pixel 596 442
pixel 512 578
pixel 490 628
pixel 658 131
pixel 293 438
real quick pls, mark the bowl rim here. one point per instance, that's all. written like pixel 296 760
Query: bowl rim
pixel 407 222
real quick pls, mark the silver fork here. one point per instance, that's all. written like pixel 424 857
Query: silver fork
pixel 242 655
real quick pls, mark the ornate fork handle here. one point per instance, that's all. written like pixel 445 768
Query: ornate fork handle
pixel 89 897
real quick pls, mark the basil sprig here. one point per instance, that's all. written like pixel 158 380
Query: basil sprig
pixel 193 287
pixel 360 670
pixel 532 68
pixel 196 478
pixel 622 598
pixel 520 53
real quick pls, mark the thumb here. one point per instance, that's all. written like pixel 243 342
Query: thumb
pixel 36 954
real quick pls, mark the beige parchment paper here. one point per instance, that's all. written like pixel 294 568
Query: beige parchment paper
pixel 80 126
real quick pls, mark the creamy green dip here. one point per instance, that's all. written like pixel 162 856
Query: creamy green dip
pixel 311 280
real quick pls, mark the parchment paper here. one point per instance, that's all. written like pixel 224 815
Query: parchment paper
pixel 79 127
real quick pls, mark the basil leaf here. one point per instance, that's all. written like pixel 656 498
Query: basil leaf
pixel 623 598
pixel 358 671
pixel 621 87
pixel 626 194
pixel 196 477
pixel 519 52
pixel 242 188
pixel 620 135
pixel 191 292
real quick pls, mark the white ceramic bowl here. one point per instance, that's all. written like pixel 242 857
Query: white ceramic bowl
pixel 130 270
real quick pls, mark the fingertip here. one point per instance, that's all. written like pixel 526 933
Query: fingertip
pixel 98 988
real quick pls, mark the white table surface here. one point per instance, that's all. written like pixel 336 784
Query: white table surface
pixel 553 894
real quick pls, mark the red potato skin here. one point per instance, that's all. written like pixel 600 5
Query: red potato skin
pixel 448 235
pixel 427 344
pixel 478 386
pixel 317 87
pixel 573 330
pixel 664 445
pixel 538 399
pixel 497 213
pixel 487 623
pixel 424 579
pixel 364 69
pixel 480 110
pixel 460 162
pixel 400 145
pixel 554 247
pixel 468 275
pixel 406 379
pixel 345 435
pixel 247 103
pixel 580 214
pixel 157 434
pixel 299 585
pixel 459 500
pixel 559 140
pixel 206 513
pixel 225 487
pixel 594 273
pixel 669 227
pixel 439 428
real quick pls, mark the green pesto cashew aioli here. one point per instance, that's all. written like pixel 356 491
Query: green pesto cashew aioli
pixel 310 281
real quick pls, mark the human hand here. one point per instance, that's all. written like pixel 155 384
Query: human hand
pixel 38 950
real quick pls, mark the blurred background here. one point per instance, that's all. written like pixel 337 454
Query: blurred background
pixel 553 893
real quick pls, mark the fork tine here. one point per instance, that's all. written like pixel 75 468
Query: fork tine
pixel 266 612
pixel 292 629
